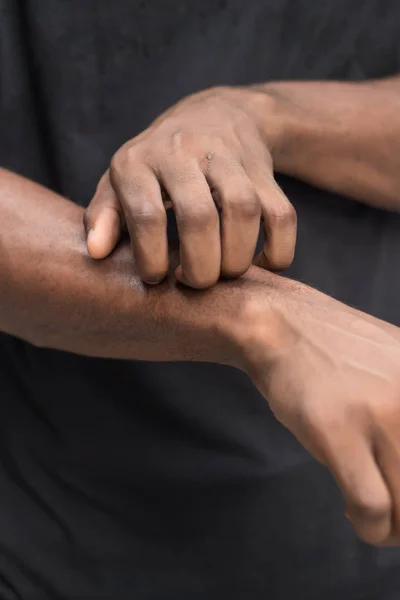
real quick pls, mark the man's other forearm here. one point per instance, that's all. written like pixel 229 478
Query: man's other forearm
pixel 343 137
pixel 53 295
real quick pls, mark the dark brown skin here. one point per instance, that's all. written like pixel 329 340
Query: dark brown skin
pixel 330 373
pixel 221 146
pixel 343 137
pixel 206 150
pixel 54 295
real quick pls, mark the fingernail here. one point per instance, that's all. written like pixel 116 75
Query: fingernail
pixel 91 243
pixel 153 281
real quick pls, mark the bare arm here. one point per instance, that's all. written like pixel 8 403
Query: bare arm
pixel 53 294
pixel 329 372
pixel 223 145
pixel 344 137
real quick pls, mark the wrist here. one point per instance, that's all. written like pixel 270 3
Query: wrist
pixel 260 326
pixel 286 126
pixel 303 124
pixel 272 117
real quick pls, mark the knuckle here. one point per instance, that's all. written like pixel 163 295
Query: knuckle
pixel 371 510
pixel 131 154
pixel 180 139
pixel 123 159
pixel 374 536
pixel 116 166
pixel 198 217
pixel 245 207
pixel 148 216
pixel 283 216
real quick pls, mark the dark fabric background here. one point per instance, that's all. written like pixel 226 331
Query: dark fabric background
pixel 123 480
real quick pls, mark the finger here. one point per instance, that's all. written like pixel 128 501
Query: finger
pixel 103 220
pixel 388 457
pixel 241 214
pixel 351 460
pixel 198 225
pixel 279 219
pixel 140 196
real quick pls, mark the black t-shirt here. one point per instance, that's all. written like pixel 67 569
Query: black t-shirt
pixel 129 480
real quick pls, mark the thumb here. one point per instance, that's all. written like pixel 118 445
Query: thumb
pixel 103 221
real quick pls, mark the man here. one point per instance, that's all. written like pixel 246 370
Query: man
pixel 135 461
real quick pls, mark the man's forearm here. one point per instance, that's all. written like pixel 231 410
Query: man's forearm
pixel 343 137
pixel 53 295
